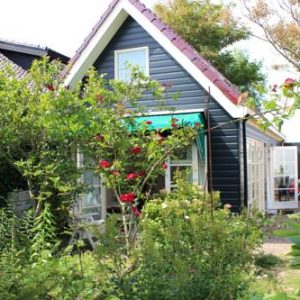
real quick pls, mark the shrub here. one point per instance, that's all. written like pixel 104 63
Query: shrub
pixel 267 261
pixel 191 250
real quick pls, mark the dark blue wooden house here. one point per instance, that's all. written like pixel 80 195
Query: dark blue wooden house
pixel 247 167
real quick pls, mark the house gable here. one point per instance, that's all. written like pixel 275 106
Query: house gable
pixel 184 54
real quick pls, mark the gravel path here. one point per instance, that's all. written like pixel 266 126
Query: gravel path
pixel 276 246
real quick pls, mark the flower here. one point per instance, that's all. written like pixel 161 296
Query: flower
pixel 136 211
pixel 104 164
pixel 174 125
pixel 50 87
pixel 227 206
pixel 115 173
pixel 142 174
pixel 136 150
pixel 132 176
pixel 165 166
pixel 174 120
pixel 129 197
pixel 148 122
pixel 289 82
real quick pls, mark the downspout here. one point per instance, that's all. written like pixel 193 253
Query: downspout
pixel 245 162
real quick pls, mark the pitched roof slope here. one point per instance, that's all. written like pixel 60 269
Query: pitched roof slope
pixel 5 62
pixel 35 50
pixel 202 64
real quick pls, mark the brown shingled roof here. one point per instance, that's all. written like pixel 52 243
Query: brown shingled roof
pixel 202 64
pixel 5 62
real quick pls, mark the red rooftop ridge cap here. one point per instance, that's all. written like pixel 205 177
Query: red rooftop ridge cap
pixel 227 88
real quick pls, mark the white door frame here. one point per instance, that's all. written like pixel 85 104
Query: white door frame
pixel 272 204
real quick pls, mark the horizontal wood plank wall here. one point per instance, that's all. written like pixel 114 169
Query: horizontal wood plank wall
pixel 256 134
pixel 225 140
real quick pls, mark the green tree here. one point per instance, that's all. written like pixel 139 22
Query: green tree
pixel 211 29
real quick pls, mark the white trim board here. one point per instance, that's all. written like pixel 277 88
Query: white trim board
pixel 108 29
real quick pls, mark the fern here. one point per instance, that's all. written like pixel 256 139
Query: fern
pixel 43 232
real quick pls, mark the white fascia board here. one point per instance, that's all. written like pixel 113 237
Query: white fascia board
pixel 108 30
pixel 170 112
pixel 96 46
pixel 276 132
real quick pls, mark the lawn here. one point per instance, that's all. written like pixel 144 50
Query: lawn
pixel 275 279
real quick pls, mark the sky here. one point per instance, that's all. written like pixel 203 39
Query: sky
pixel 63 24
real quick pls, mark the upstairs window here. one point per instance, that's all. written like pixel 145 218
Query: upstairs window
pixel 126 59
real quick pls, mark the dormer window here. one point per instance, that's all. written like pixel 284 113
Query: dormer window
pixel 126 59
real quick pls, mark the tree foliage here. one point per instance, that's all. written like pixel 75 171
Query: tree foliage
pixel 211 29
pixel 46 126
pixel 280 24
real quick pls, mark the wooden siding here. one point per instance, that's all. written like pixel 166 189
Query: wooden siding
pixel 225 140
pixel 256 134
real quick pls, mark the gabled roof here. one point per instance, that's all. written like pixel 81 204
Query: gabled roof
pixel 201 70
pixel 5 62
pixel 203 65
pixel 34 50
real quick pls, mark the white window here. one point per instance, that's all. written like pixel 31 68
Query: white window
pixel 285 177
pixel 126 59
pixel 91 205
pixel 185 159
pixel 256 174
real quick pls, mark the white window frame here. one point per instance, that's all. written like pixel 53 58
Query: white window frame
pixel 274 205
pixel 194 164
pixel 128 50
pixel 79 209
pixel 256 180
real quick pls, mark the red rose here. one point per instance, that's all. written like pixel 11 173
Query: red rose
pixel 174 125
pixel 142 174
pixel 131 176
pixel 104 164
pixel 129 197
pixel 136 150
pixel 289 82
pixel 115 173
pixel 148 122
pixel 50 87
pixel 135 211
pixel 165 166
pixel 174 120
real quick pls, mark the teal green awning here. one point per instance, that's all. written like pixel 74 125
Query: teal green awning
pixel 183 119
